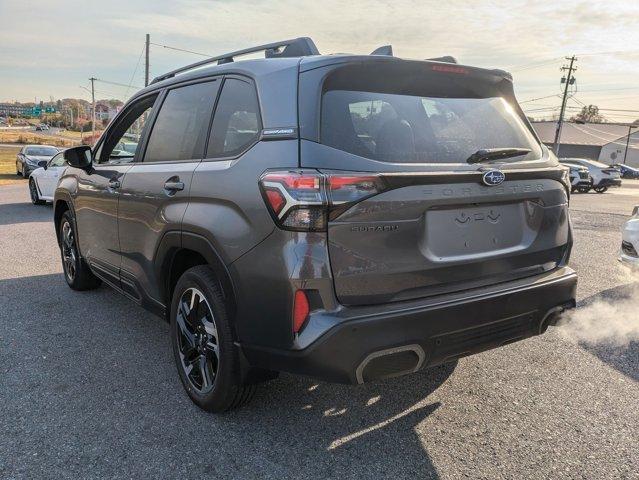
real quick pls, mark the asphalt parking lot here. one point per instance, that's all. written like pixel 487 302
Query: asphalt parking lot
pixel 88 389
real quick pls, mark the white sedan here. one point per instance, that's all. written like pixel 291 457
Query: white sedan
pixel 44 180
pixel 630 240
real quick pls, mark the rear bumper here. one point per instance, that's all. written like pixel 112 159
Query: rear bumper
pixel 609 182
pixel 629 260
pixel 367 343
pixel 582 183
pixel 629 253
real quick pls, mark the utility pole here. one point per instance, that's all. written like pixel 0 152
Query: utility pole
pixel 625 154
pixel 147 44
pixel 569 81
pixel 93 79
pixel 70 110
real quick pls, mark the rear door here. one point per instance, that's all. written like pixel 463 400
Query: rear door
pixel 155 191
pixel 439 224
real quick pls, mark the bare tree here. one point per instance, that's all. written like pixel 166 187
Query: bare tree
pixel 589 114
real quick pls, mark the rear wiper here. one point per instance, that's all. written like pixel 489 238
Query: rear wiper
pixel 491 154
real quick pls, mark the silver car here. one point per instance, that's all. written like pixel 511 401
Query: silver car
pixel 31 157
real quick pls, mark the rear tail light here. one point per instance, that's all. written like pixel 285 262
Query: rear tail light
pixel 301 310
pixel 304 201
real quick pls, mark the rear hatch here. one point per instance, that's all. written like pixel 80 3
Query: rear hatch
pixel 434 223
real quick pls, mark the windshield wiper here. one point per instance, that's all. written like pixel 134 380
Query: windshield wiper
pixel 491 154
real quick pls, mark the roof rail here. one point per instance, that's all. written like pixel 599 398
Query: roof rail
pixel 296 47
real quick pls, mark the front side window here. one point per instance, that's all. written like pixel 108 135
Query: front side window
pixel 236 124
pixel 122 142
pixel 57 161
pixel 402 128
pixel 180 129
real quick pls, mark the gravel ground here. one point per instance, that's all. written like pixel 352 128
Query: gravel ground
pixel 88 389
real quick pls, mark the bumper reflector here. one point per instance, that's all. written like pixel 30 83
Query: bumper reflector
pixel 300 310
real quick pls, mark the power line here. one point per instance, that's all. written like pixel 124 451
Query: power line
pixel 181 50
pixel 539 98
pixel 533 64
pixel 109 94
pixel 137 65
pixel 543 109
pixel 613 52
pixel 530 67
pixel 610 89
pixel 114 83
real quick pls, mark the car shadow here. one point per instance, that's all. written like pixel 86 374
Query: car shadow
pixel 624 357
pixel 26 212
pixel 10 177
pixel 99 363
pixel 372 424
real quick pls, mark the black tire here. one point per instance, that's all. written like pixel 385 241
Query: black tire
pixel 33 191
pixel 77 273
pixel 201 337
pixel 583 189
pixel 601 189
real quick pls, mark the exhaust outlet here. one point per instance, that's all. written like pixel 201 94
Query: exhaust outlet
pixel 553 315
pixel 391 362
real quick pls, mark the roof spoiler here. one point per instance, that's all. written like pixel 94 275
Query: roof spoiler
pixel 296 47
pixel 388 50
pixel 383 50
pixel 445 59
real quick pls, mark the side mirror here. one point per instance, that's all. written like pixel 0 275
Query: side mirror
pixel 79 157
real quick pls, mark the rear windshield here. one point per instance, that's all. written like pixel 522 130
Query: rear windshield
pixel 402 128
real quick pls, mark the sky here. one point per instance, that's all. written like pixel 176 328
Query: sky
pixel 51 48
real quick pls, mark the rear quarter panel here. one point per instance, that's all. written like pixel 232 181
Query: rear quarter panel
pixel 226 205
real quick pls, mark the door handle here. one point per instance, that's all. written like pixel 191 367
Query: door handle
pixel 173 186
pixel 114 184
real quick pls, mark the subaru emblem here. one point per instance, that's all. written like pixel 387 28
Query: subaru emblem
pixel 493 178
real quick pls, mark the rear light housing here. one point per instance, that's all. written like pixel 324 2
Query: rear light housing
pixel 305 200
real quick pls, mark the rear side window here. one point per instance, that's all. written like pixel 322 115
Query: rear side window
pixel 180 128
pixel 420 128
pixel 236 124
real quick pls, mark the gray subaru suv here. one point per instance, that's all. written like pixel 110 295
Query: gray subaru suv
pixel 345 217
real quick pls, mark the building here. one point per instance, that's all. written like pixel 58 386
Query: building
pixel 605 142
pixel 15 109
pixel 105 111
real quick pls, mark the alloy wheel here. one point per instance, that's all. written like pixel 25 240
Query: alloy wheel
pixel 69 254
pixel 198 343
